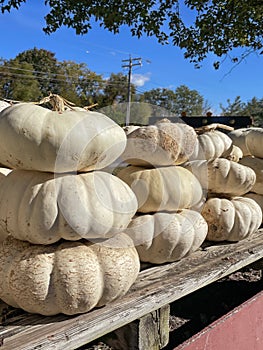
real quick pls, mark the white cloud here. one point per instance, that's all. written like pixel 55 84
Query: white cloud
pixel 140 79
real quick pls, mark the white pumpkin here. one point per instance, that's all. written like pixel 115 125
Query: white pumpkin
pixel 258 198
pixel 130 128
pixel 162 144
pixel 36 138
pixel 211 145
pixel 42 209
pixel 162 189
pixel 67 277
pixel 249 140
pixel 166 237
pixel 5 171
pixel 222 176
pixel 234 153
pixel 231 219
pixel 3 105
pixel 257 165
pixel 254 142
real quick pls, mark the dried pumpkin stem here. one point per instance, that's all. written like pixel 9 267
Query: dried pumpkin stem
pixel 212 127
pixel 57 102
pixel 90 106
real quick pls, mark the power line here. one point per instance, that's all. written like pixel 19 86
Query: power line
pixel 75 79
pixel 131 63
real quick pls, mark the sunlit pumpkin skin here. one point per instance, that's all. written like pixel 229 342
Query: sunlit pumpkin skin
pixel 254 141
pixel 258 198
pixel 162 144
pixel 234 153
pixel 3 105
pixel 257 165
pixel 36 138
pixel 162 189
pixel 42 209
pixel 231 219
pixel 130 128
pixel 223 177
pixel 250 145
pixel 67 277
pixel 4 172
pixel 166 237
pixel 211 145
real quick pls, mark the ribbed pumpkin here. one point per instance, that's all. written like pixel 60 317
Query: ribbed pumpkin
pixel 162 189
pixel 36 138
pixel 211 145
pixel 231 219
pixel 67 277
pixel 254 142
pixel 258 198
pixel 249 140
pixel 164 143
pixel 42 209
pixel 223 177
pixel 257 165
pixel 166 237
pixel 234 153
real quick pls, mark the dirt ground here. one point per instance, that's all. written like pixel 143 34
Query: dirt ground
pixel 194 312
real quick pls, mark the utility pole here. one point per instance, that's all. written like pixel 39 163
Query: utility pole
pixel 131 62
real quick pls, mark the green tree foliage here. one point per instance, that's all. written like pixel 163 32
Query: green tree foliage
pixel 254 109
pixel 35 73
pixel 216 26
pixel 139 112
pixel 161 98
pixel 189 101
pixel 78 84
pixel 235 108
pixel 115 90
pixel 175 102
pixel 45 68
pixel 17 81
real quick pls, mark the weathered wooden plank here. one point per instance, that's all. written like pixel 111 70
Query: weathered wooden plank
pixel 150 332
pixel 155 287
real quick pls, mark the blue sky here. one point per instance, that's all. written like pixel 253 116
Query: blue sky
pixel 163 66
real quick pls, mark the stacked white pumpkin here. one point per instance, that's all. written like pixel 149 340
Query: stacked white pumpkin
pixel 218 164
pixel 63 249
pixel 166 227
pixel 250 141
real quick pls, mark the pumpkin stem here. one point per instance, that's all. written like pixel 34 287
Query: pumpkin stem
pixel 90 106
pixel 57 102
pixel 212 127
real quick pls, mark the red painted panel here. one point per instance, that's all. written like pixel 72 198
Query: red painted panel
pixel 240 329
